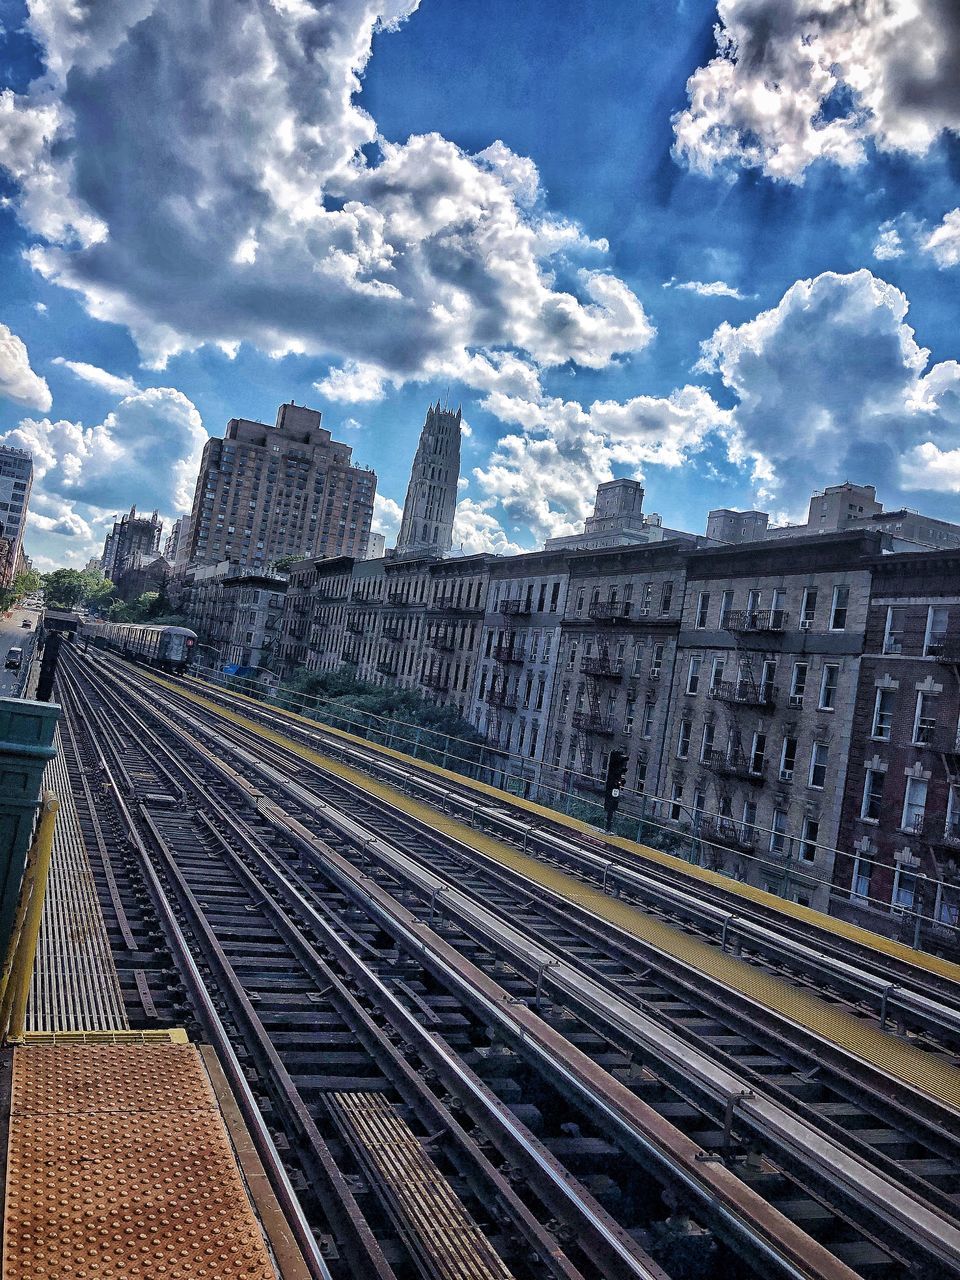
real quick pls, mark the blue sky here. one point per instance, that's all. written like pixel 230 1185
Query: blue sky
pixel 729 268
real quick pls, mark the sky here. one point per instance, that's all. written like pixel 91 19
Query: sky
pixel 715 248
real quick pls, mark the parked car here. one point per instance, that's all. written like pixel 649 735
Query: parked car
pixel 14 659
pixel 26 623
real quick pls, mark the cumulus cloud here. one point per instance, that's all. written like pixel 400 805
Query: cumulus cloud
pixel 832 383
pixel 387 515
pixel 477 529
pixel 146 451
pixel 943 243
pixel 545 475
pixel 17 380
pixel 67 525
pixel 243 194
pixel 889 243
pixel 794 82
pixel 98 377
pixel 711 289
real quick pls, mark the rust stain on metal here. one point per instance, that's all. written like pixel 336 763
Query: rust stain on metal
pixel 119 1167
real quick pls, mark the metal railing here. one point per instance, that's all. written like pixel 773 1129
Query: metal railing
pixel 17 970
pixel 593 722
pixel 755 620
pixel 602 668
pixel 744 692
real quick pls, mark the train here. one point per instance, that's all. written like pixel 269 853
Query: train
pixel 169 648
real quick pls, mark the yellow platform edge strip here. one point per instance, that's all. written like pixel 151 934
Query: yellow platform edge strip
pixel 170 1035
pixel 806 915
pixel 903 1061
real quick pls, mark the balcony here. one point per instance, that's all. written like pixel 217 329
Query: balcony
pixel 351 654
pixel 735 835
pixel 514 609
pixel 442 640
pixel 435 678
pixel 388 667
pixel 356 626
pixel 735 767
pixel 609 611
pixel 755 620
pixel 593 722
pixel 448 605
pixel 945 650
pixel 396 597
pixel 602 668
pixel 744 694
pixel 497 697
pixel 507 653
pixel 392 629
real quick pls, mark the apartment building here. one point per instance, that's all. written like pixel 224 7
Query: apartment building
pixel 238 615
pixel 756 745
pixel 454 628
pixel 16 482
pixel 133 541
pixel 517 659
pixel 901 811
pixel 313 628
pixel 614 670
pixel 265 493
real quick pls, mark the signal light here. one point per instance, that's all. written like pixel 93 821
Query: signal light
pixel 614 785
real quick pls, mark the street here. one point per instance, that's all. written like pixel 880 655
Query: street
pixel 12 635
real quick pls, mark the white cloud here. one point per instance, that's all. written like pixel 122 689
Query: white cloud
pixel 17 380
pixel 354 382
pixel 889 243
pixel 310 235
pixel 943 243
pixel 794 82
pixel 832 383
pixel 40 308
pixel 926 466
pixel 147 451
pixel 67 525
pixel 387 515
pixel 713 289
pixel 476 529
pixel 97 377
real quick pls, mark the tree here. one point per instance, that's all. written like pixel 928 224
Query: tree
pixel 283 564
pixel 63 588
pixel 97 589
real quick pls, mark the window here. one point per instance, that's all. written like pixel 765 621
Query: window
pixel 683 740
pixel 676 795
pixel 937 620
pixel 860 879
pixel 656 664
pixel 768 673
pixel 703 606
pixel 726 605
pixel 808 839
pixel 641 782
pixel 808 608
pixel 838 611
pixel 754 599
pixel 914 805
pixel 758 752
pixel 798 683
pixel 716 673
pixel 894 628
pixel 872 795
pixel 648 719
pixel 554 596
pixel 828 687
pixel 706 743
pixel 693 674
pixel 778 831
pixel 904 890
pixel 883 714
pixel 818 766
pixel 788 759
pixel 580 601
pixel 924 720
pixel 952 827
pixel 637 657
pixel 666 597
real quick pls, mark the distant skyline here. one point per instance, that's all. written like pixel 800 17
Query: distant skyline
pixel 716 249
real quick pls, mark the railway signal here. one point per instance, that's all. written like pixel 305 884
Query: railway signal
pixel 616 781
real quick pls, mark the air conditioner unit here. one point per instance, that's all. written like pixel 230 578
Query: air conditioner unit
pixel 654 673
pixel 643 612
pixel 893 646
pixel 806 624
pixel 796 699
pixel 786 775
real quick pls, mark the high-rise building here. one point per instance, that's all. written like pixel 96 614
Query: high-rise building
pixel 16 479
pixel 176 540
pixel 132 541
pixel 264 493
pixel 431 501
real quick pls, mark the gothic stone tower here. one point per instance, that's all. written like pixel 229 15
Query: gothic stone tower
pixel 427 525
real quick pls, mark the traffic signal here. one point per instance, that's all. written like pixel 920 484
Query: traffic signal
pixel 616 780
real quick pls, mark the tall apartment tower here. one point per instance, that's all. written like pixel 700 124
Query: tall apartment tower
pixel 431 501
pixel 16 480
pixel 267 492
pixel 131 538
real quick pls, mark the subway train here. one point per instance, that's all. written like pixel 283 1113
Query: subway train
pixel 169 648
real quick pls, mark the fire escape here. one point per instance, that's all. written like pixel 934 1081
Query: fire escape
pixel 506 654
pixel 602 674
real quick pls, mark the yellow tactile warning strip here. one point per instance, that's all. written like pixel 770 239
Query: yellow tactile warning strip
pixel 644 853
pixel 119 1167
pixel 905 1062
pixel 433 1217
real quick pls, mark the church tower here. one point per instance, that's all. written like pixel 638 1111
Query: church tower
pixel 427 525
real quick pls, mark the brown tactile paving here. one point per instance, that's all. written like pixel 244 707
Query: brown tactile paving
pixel 119 1168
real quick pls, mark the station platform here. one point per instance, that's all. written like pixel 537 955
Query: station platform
pixel 123 1154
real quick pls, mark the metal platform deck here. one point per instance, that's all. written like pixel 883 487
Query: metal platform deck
pixel 899 1059
pixel 119 1165
pixel 75 985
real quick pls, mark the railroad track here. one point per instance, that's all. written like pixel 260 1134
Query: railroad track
pixel 683 1071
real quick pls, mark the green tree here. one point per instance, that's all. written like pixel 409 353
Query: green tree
pixel 283 564
pixel 63 588
pixel 97 589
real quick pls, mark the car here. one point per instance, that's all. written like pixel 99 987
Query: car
pixel 26 623
pixel 14 659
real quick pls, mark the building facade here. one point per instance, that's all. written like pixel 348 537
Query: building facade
pixel 133 541
pixel 900 828
pixel 16 482
pixel 238 615
pixel 265 493
pixel 431 502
